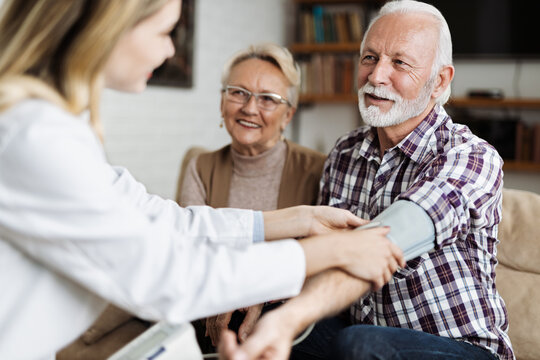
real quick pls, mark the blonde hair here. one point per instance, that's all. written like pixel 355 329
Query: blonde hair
pixel 274 54
pixel 56 49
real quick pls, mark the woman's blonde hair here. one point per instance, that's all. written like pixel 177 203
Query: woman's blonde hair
pixel 57 49
pixel 274 54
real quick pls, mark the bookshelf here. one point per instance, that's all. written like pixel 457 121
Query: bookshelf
pixel 524 163
pixel 326 44
pixel 523 140
pixel 515 103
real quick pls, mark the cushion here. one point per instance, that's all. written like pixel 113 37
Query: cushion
pixel 518 272
pixel 521 293
pixel 519 231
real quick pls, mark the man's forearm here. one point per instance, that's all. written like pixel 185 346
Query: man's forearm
pixel 323 295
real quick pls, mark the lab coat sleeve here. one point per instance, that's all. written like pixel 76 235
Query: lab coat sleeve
pixel 198 223
pixel 64 206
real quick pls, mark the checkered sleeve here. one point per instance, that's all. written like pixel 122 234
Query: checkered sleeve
pixel 461 191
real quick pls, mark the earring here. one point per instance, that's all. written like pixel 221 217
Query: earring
pixel 221 124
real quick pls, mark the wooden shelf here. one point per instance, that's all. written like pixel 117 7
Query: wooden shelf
pixel 524 103
pixel 299 48
pixel 328 98
pixel 454 102
pixel 511 165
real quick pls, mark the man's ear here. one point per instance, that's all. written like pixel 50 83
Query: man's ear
pixel 443 80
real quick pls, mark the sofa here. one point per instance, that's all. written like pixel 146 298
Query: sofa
pixel 518 272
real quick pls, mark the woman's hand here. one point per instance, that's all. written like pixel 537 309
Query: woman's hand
pixel 271 339
pixel 215 325
pixel 365 254
pixel 252 315
pixel 303 220
pixel 371 256
pixel 326 218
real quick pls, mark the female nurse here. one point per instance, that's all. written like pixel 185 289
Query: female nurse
pixel 76 232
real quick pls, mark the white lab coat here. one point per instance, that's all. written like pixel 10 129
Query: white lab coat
pixel 76 232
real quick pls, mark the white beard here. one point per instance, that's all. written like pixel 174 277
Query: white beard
pixel 401 111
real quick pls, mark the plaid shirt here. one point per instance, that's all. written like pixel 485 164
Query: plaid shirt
pixel 457 178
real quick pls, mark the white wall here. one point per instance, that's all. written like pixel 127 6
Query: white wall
pixel 149 133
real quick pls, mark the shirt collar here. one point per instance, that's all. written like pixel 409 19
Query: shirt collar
pixel 417 145
pixel 421 142
pixel 369 147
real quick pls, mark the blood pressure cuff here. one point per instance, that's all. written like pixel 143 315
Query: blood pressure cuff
pixel 410 228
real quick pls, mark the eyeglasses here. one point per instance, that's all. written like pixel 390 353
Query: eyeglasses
pixel 265 101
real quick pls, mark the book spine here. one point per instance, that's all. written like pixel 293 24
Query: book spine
pixel 318 14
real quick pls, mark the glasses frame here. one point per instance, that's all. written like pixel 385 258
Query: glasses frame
pixel 278 97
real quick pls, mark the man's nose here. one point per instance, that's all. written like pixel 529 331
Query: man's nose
pixel 380 75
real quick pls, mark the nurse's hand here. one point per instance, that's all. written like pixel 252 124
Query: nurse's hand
pixel 365 254
pixel 303 220
pixel 369 255
pixel 325 219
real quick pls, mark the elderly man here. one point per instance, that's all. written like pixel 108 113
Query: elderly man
pixel 444 303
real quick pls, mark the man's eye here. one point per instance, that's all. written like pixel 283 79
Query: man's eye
pixel 368 59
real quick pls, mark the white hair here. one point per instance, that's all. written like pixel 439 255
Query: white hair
pixel 443 55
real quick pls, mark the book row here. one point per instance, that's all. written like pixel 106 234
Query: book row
pixel 328 74
pixel 327 24
pixel 528 142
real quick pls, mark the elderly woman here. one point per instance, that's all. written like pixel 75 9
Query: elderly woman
pixel 259 169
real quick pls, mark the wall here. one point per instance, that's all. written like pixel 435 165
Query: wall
pixel 149 133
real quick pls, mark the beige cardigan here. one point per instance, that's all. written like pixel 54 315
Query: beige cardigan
pixel 299 180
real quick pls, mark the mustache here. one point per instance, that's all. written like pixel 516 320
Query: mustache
pixel 379 91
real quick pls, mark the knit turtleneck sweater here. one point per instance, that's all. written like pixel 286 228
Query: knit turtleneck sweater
pixel 256 179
